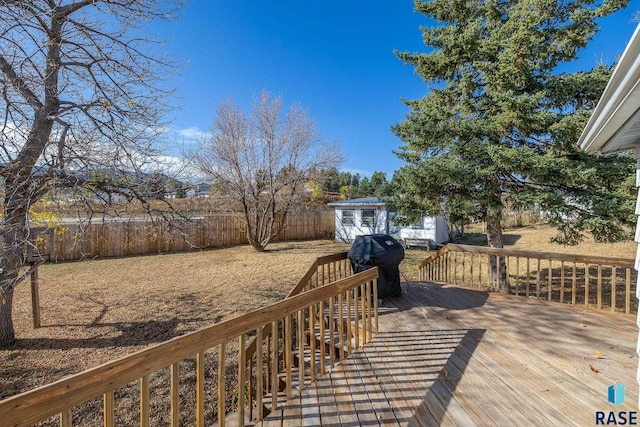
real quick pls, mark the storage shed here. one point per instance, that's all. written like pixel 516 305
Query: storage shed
pixel 358 217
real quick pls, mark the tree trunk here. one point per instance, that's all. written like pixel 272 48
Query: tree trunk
pixel 14 233
pixel 12 262
pixel 7 334
pixel 499 280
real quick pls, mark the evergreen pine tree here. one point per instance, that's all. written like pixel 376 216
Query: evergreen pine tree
pixel 499 123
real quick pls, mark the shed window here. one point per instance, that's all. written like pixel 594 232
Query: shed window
pixel 417 224
pixel 347 217
pixel 368 217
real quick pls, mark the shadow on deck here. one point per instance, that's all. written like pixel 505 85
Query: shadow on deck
pixel 457 357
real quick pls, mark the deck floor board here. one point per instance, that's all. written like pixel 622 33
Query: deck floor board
pixel 449 356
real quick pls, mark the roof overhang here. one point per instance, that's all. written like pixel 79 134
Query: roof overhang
pixel 356 203
pixel 615 122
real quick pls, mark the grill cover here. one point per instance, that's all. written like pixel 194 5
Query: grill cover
pixel 384 252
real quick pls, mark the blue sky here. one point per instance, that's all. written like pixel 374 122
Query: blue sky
pixel 335 58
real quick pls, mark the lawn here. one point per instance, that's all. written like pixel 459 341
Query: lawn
pixel 95 311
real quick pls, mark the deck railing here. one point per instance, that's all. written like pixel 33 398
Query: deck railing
pixel 308 333
pixel 325 269
pixel 600 282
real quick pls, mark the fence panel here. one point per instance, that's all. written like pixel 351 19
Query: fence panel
pixel 142 237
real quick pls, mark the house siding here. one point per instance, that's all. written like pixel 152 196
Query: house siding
pixel 347 233
pixel 637 264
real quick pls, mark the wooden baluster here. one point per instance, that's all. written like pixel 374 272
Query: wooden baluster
pixel 538 281
pixel 587 279
pixel 464 257
pixel 323 349
pixel 259 374
pixel 200 389
pixel 363 306
pixel 312 343
pixel 144 401
pixel 288 353
pixel 66 418
pixel 599 284
pixel 356 318
pixel 341 326
pixel 274 365
pixel 528 277
pixel 627 296
pixel 301 340
pixel 332 351
pixel 454 268
pixel 562 281
pixel 250 385
pixel 348 319
pixel 550 280
pixel 241 379
pixel 517 286
pixel 375 303
pixel 489 284
pixel 108 417
pixel 473 284
pixel 574 284
pixel 613 288
pixel 221 385
pixel 175 394
pixel 506 264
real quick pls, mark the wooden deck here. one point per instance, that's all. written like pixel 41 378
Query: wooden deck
pixel 448 356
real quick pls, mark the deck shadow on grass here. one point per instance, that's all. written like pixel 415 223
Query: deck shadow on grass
pixel 480 239
pixel 128 334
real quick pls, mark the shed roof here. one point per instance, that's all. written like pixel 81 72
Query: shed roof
pixel 615 122
pixel 364 201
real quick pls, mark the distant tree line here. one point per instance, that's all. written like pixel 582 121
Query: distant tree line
pixel 354 185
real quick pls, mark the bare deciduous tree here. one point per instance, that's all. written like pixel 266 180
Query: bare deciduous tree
pixel 265 159
pixel 82 101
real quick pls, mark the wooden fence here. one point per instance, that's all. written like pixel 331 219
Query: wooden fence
pixel 599 282
pixel 341 315
pixel 136 237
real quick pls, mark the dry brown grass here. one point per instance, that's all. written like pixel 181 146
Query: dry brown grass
pixel 537 238
pixel 96 311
